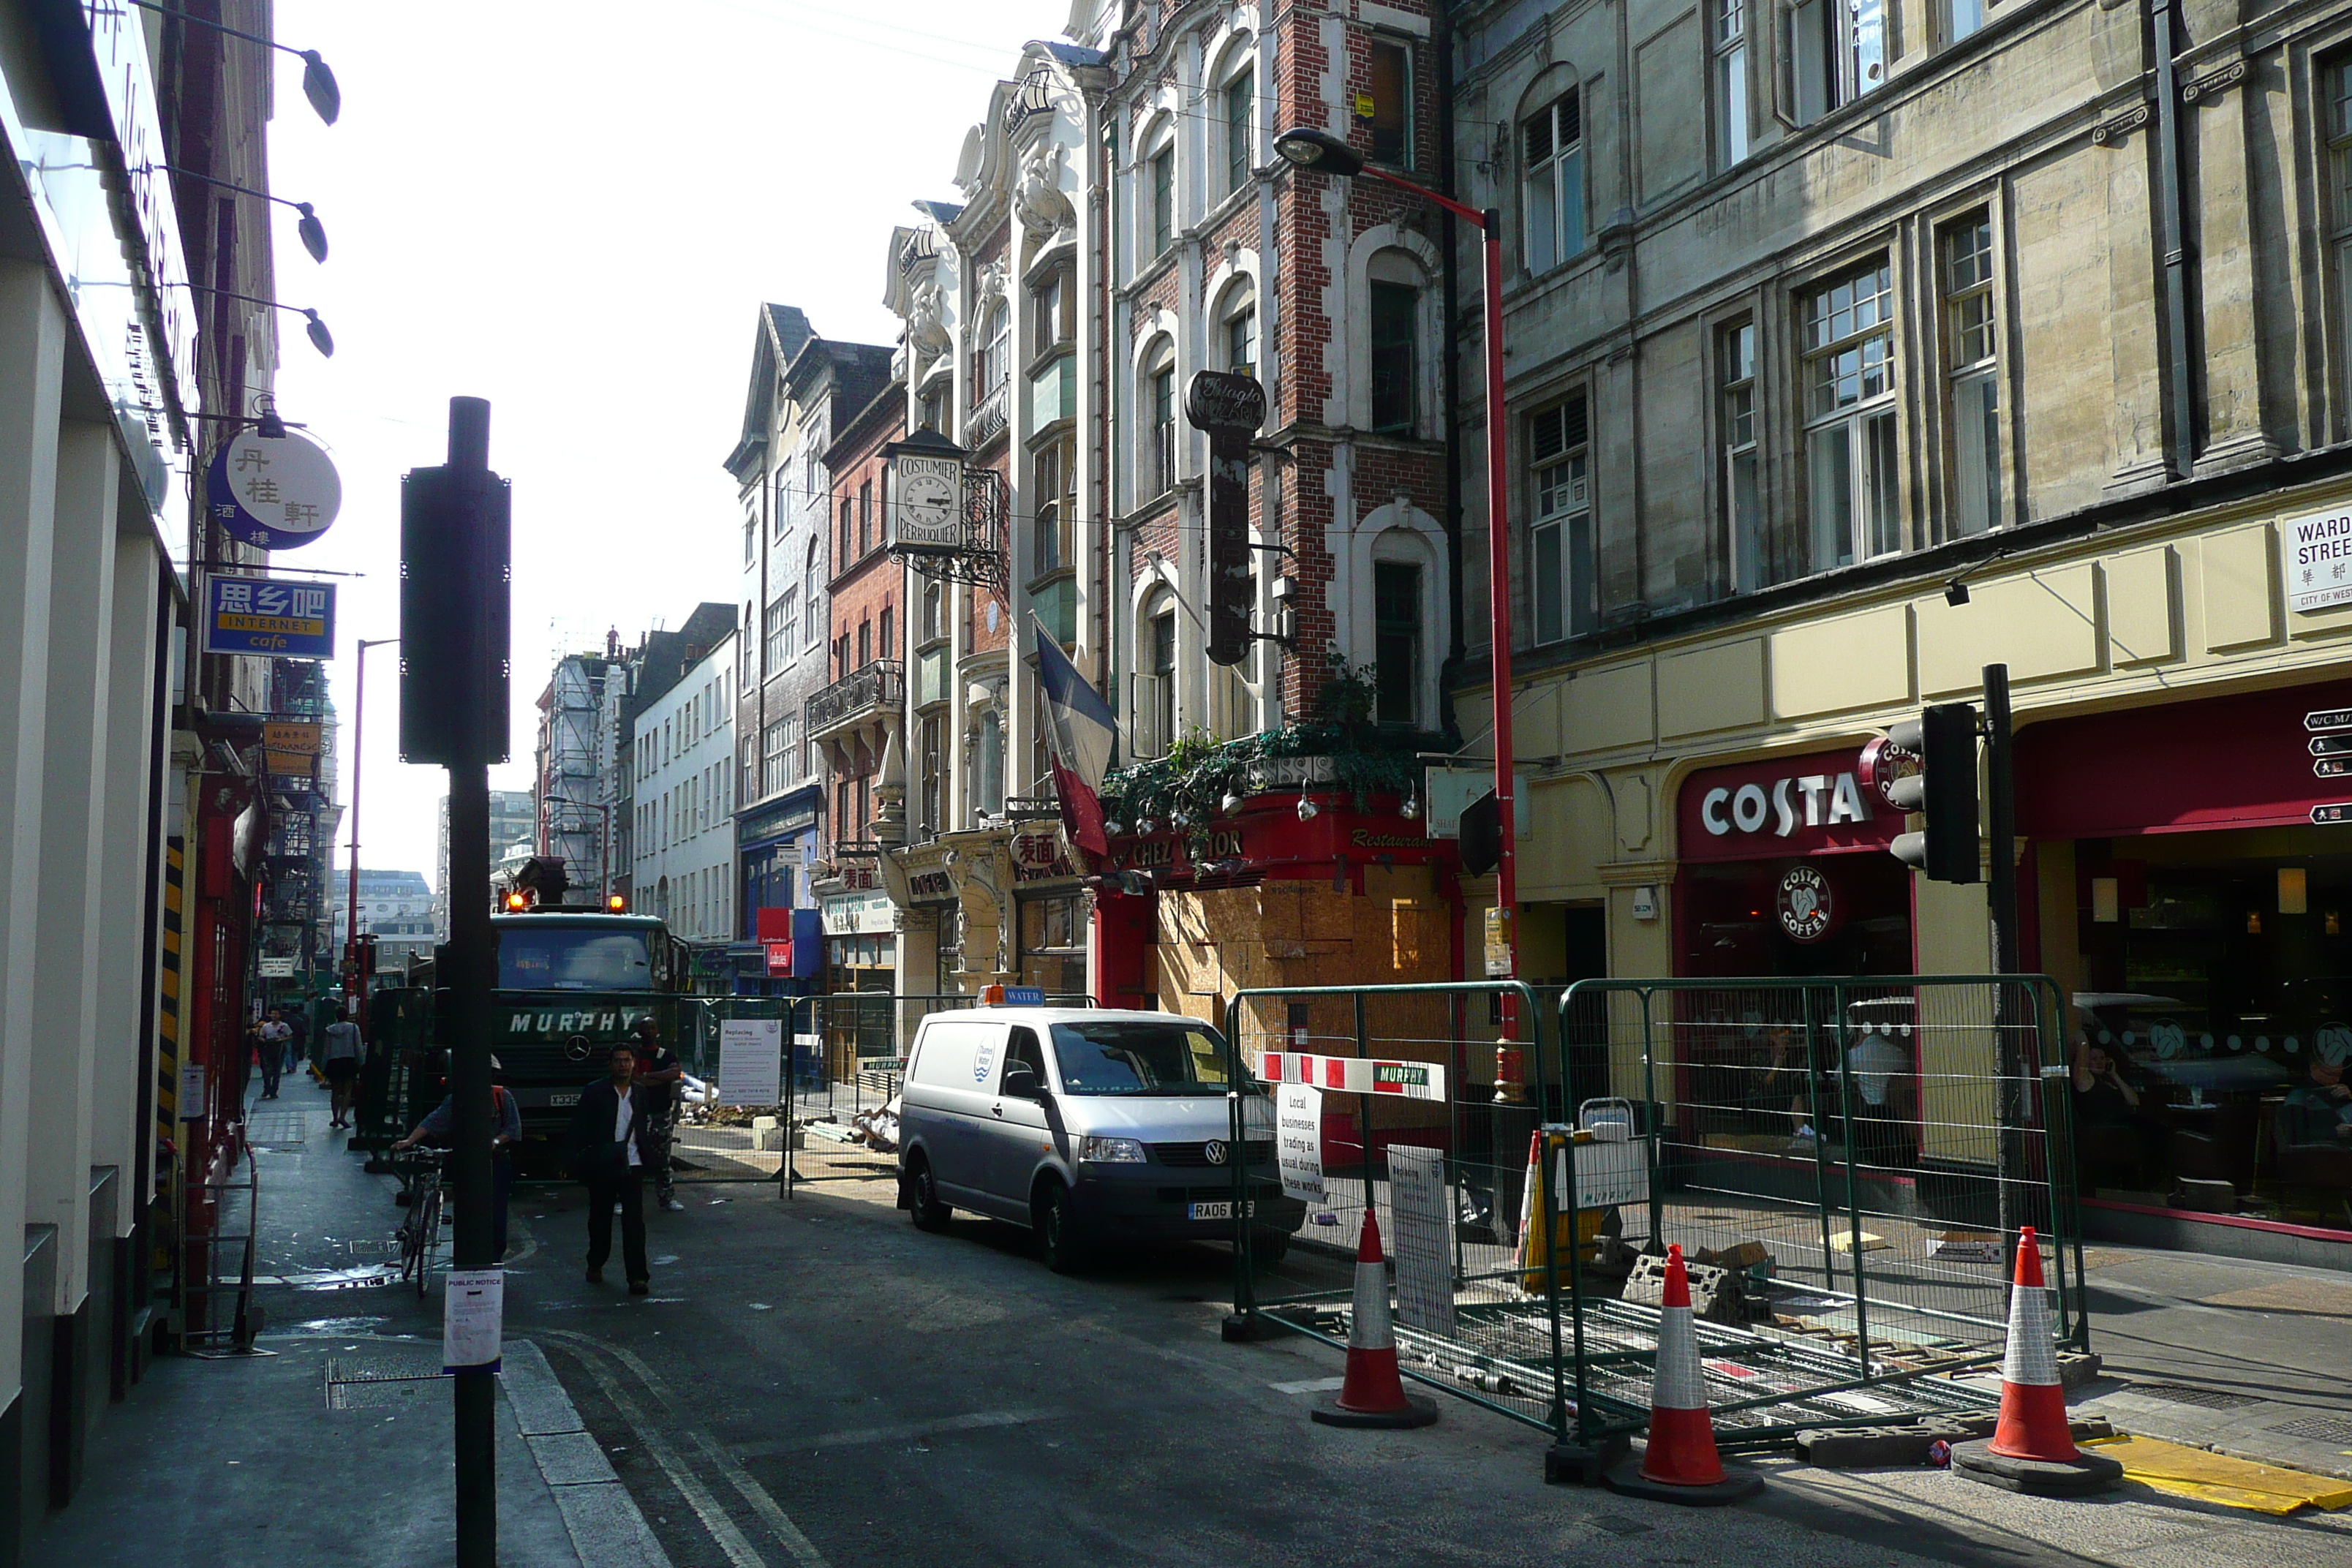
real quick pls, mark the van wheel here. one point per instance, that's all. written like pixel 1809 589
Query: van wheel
pixel 923 1197
pixel 1057 1246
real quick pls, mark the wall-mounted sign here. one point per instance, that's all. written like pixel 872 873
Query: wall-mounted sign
pixel 925 515
pixel 1785 806
pixel 278 969
pixel 279 492
pixel 859 914
pixel 1229 408
pixel 267 616
pixel 2315 559
pixel 1807 908
pixel 298 740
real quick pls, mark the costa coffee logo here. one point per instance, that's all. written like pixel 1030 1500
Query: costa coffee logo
pixel 1883 764
pixel 1805 800
pixel 1806 906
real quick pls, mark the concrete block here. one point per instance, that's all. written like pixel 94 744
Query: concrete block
pixel 1716 1294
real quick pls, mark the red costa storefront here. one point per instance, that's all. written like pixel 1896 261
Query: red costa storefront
pixel 1784 870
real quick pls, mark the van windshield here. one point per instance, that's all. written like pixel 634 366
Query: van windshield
pixel 1113 1058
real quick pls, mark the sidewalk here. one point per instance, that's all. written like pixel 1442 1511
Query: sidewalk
pixel 334 1448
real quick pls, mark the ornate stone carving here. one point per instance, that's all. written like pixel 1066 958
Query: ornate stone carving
pixel 1037 197
pixel 925 327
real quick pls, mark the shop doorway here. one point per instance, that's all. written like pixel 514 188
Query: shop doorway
pixel 1823 915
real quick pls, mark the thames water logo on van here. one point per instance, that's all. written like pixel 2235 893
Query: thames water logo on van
pixel 983 1060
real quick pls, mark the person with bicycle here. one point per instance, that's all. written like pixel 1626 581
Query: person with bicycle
pixel 506 1120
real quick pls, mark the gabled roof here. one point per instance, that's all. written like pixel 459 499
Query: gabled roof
pixel 782 331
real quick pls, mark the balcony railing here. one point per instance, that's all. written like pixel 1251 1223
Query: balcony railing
pixel 881 685
pixel 986 421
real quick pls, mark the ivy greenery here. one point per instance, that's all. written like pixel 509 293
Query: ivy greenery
pixel 1200 770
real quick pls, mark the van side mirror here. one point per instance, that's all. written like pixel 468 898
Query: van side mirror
pixel 1020 1081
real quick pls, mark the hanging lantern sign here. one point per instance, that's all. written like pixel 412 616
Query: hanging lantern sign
pixel 277 491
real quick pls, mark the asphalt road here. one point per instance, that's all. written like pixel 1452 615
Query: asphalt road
pixel 816 1382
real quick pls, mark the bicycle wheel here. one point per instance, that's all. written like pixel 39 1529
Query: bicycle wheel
pixel 408 1242
pixel 429 1240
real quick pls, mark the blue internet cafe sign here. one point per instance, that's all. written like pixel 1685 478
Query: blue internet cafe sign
pixel 264 616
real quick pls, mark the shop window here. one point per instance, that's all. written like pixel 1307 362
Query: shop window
pixel 1851 472
pixel 1395 323
pixel 1560 535
pixel 1553 141
pixel 1837 52
pixel 1386 107
pixel 1397 613
pixel 1240 104
pixel 1732 124
pixel 1973 387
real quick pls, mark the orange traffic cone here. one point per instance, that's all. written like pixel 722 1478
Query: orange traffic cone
pixel 2032 1450
pixel 1679 1464
pixel 1373 1393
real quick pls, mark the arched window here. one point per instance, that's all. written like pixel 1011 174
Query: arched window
pixel 1394 309
pixel 991 362
pixel 1238 96
pixel 990 794
pixel 1237 328
pixel 1155 696
pixel 1160 419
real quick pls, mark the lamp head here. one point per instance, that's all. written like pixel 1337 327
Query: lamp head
pixel 1319 150
pixel 1956 593
pixel 312 232
pixel 318 87
pixel 320 339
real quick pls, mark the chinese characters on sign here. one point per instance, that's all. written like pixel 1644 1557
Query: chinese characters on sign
pixel 2315 559
pixel 264 615
pixel 274 491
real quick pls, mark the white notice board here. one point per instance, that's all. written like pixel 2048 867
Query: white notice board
pixel 750 1061
pixel 1423 1223
pixel 1299 1140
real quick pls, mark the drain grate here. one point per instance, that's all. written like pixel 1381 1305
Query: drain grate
pixel 387 1394
pixel 2318 1428
pixel 2203 1398
pixel 382 1369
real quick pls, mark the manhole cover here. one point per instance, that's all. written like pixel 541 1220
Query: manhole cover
pixel 2204 1398
pixel 2318 1428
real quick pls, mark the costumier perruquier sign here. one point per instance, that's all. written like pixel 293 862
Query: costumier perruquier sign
pixel 279 492
pixel 1230 408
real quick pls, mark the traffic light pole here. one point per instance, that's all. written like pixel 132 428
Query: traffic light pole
pixel 2000 899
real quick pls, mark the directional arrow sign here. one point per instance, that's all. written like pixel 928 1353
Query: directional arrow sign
pixel 2329 719
pixel 2331 745
pixel 2332 768
pixel 2341 812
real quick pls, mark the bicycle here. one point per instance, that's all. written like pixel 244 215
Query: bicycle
pixel 420 1229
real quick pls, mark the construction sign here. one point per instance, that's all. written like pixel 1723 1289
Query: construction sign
pixel 1355 1074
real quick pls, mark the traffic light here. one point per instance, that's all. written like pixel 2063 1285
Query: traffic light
pixel 455 529
pixel 1944 738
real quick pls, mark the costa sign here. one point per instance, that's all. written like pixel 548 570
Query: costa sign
pixel 1801 805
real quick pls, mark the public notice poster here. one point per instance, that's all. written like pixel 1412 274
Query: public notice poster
pixel 750 1061
pixel 473 1310
pixel 1299 1140
pixel 1423 1223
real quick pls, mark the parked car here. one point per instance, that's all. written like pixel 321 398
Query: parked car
pixel 1090 1126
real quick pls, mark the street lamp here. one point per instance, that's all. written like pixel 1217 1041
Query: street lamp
pixel 358 720
pixel 313 233
pixel 603 842
pixel 1325 153
pixel 320 339
pixel 318 82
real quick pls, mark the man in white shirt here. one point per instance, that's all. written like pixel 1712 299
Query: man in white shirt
pixel 609 1137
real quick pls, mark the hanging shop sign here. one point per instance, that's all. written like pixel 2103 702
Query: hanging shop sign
pixel 859 914
pixel 2316 560
pixel 1041 855
pixel 278 491
pixel 925 514
pixel 1795 805
pixel 1229 408
pixel 266 616
pixel 1806 908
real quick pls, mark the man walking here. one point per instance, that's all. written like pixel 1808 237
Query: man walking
pixel 609 1133
pixel 338 1058
pixel 274 1038
pixel 659 1073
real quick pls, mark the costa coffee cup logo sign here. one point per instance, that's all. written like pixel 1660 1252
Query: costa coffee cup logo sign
pixel 1805 800
pixel 1883 763
pixel 1806 906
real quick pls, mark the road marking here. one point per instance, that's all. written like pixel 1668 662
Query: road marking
pixel 779 1523
pixel 731 1540
pixel 904 1432
pixel 1310 1385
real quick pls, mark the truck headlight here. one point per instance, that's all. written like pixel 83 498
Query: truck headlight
pixel 1111 1150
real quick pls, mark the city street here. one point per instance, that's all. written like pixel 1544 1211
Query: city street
pixel 818 1381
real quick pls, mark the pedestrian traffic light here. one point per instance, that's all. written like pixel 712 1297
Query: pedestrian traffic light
pixel 1944 790
pixel 455 532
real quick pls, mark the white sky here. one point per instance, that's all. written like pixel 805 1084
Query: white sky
pixel 575 211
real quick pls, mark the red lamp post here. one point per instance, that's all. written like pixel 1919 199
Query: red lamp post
pixel 1327 153
pixel 351 921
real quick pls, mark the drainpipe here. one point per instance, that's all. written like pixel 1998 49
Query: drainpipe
pixel 2181 400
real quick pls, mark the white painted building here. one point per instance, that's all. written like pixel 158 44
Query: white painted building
pixel 683 833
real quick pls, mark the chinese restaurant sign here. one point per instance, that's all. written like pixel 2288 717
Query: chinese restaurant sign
pixel 274 491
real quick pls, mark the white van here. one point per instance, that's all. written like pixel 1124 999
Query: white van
pixel 1088 1125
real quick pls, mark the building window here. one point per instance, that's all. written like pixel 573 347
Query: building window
pixel 1965 17
pixel 932 405
pixel 935 623
pixel 992 362
pixel 779 643
pixel 1051 529
pixel 1395 313
pixel 749 648
pixel 792 626
pixel 1241 90
pixel 1163 427
pixel 1850 460
pixel 1241 333
pixel 1735 353
pixel 1554 140
pixel 1971 344
pixel 775 740
pixel 1163 199
pixel 1396 641
pixel 841 654
pixel 865 519
pixel 989 801
pixel 1837 52
pixel 842 556
pixel 882 632
pixel 1160 694
pixel 1731 79
pixel 1054 311
pixel 1561 532
pixel 1387 108
pixel 813 584
pixel 934 771
pixel 751 536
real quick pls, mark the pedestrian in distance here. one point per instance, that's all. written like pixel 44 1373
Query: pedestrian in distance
pixel 660 1075
pixel 610 1134
pixel 298 1036
pixel 259 1047
pixel 338 1058
pixel 506 1121
pixel 275 1035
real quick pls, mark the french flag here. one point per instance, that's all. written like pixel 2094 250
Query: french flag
pixel 1079 729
